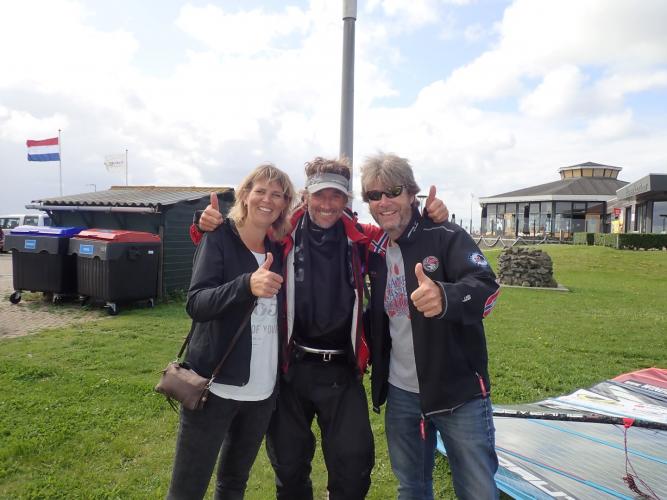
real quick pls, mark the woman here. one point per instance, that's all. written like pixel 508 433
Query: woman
pixel 237 269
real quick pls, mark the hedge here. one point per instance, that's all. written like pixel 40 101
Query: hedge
pixel 645 241
pixel 606 240
pixel 584 239
pixel 627 241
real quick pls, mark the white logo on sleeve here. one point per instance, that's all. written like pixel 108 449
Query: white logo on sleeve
pixel 478 259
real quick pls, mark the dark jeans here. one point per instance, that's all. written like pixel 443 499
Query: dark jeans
pixel 333 393
pixel 235 430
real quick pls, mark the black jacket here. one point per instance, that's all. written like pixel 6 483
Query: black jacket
pixel 219 299
pixel 450 351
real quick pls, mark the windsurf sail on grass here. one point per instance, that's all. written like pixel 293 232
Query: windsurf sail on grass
pixel 605 441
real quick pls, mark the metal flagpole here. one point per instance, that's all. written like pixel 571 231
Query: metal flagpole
pixel 60 163
pixel 126 167
pixel 347 92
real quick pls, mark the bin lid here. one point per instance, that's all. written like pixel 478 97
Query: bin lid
pixel 61 232
pixel 119 236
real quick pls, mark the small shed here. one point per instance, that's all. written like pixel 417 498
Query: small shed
pixel 161 210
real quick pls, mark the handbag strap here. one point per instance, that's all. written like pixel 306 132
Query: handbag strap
pixel 235 338
pixel 186 341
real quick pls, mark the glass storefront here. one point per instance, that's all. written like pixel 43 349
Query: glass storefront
pixel 561 218
pixel 659 217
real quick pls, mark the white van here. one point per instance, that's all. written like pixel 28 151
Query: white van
pixel 9 222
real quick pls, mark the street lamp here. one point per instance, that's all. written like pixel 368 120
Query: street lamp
pixel 471 197
pixel 347 87
pixel 421 198
pixel 94 186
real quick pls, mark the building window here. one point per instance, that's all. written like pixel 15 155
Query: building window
pixel 659 217
pixel 563 219
pixel 594 220
pixel 578 217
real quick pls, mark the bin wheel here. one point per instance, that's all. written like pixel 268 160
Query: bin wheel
pixel 151 303
pixel 112 309
pixel 57 298
pixel 15 297
pixel 84 300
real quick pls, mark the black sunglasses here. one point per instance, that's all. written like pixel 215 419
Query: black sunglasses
pixel 391 192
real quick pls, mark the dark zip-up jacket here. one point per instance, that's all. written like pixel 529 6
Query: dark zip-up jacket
pixel 450 350
pixel 357 244
pixel 220 298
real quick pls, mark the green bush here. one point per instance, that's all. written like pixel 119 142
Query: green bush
pixel 636 241
pixel 584 239
pixel 626 241
pixel 606 240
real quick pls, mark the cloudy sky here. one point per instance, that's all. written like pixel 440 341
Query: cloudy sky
pixel 482 96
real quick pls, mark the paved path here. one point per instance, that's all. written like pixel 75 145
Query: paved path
pixel 33 313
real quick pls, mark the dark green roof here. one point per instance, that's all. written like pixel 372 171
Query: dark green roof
pixel 135 196
pixel 598 186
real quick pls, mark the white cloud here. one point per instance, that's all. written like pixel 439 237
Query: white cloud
pixel 243 33
pixel 539 36
pixel 612 126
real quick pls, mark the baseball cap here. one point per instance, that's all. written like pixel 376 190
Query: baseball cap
pixel 324 180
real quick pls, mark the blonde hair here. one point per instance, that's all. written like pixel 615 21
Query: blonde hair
pixel 269 173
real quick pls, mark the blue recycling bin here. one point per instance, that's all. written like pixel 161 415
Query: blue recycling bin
pixel 40 260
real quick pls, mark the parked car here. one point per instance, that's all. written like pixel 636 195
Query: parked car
pixel 9 222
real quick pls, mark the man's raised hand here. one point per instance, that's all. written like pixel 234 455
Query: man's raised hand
pixel 435 207
pixel 211 218
pixel 263 282
pixel 427 298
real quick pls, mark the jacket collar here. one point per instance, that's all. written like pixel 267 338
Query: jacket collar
pixel 412 229
pixel 353 231
pixel 235 231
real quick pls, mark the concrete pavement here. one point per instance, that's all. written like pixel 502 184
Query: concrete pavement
pixel 33 313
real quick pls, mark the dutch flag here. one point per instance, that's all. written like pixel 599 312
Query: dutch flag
pixel 44 150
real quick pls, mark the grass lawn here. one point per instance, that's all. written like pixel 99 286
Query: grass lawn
pixel 79 418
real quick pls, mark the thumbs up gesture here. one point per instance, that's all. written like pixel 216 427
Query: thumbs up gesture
pixel 427 298
pixel 435 208
pixel 211 218
pixel 263 282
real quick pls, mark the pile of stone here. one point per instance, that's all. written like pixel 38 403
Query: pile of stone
pixel 523 266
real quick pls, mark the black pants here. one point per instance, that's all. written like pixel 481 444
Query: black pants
pixel 333 393
pixel 235 430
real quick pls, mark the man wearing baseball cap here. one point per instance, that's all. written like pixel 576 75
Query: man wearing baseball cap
pixel 324 349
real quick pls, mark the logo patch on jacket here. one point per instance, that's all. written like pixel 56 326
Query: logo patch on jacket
pixel 478 259
pixel 430 263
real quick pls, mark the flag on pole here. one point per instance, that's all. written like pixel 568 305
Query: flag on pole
pixel 115 162
pixel 44 150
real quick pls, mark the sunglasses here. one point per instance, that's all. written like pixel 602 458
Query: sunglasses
pixel 391 192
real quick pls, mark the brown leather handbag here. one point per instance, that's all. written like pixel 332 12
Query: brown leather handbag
pixel 180 384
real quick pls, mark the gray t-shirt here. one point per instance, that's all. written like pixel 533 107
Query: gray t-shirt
pixel 402 368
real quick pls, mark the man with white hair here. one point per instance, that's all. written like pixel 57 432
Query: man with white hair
pixel 430 289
